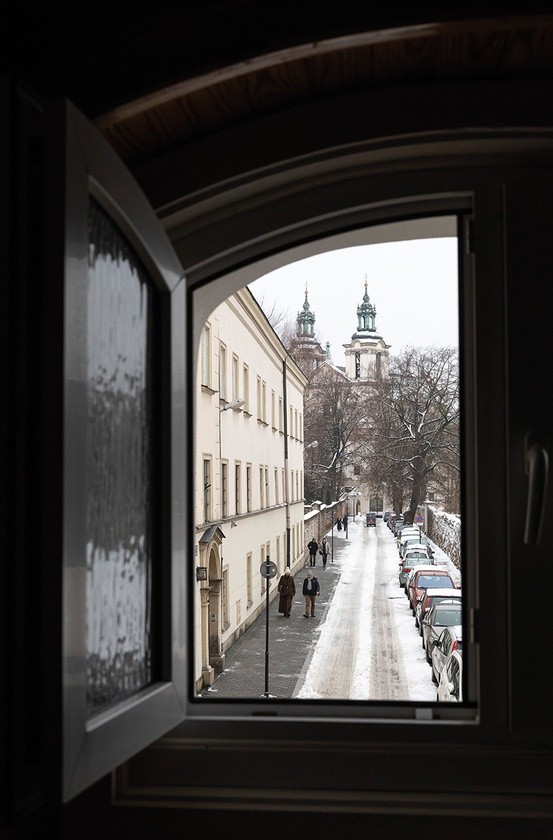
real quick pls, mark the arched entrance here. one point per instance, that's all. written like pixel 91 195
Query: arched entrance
pixel 213 659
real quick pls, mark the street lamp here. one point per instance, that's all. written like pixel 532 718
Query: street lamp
pixel 233 404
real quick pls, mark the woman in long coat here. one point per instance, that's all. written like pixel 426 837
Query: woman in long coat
pixel 287 589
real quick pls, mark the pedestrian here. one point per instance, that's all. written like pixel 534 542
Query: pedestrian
pixel 339 524
pixel 345 522
pixel 312 546
pixel 310 591
pixel 325 551
pixel 287 589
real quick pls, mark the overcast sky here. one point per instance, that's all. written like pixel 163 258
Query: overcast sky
pixel 412 284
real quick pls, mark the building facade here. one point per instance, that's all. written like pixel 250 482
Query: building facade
pixel 249 474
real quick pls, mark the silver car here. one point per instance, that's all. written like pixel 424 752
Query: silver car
pixel 444 614
pixel 450 639
pixel 450 684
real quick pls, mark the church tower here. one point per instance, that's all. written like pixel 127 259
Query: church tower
pixel 305 349
pixel 367 352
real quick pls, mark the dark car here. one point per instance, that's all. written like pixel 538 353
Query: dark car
pixel 371 519
pixel 431 597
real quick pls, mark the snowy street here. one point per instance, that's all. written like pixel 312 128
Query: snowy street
pixel 369 647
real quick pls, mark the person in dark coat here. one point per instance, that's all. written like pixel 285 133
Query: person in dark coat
pixel 312 546
pixel 310 591
pixel 287 589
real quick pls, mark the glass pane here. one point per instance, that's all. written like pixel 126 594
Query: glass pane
pixel 364 348
pixel 119 467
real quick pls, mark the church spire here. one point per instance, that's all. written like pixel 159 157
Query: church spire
pixel 305 320
pixel 366 313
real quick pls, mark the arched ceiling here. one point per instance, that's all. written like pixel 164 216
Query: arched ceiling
pixel 169 75
pixel 493 48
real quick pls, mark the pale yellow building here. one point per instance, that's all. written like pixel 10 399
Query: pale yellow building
pixel 248 493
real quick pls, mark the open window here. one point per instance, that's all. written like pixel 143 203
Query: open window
pixel 171 750
pixel 122 296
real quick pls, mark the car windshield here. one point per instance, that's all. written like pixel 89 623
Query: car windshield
pixel 429 581
pixel 445 618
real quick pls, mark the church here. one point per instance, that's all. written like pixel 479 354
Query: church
pixel 366 353
pixel 337 406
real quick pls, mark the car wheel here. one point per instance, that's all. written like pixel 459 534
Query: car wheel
pixel 428 657
pixel 434 677
pixel 416 619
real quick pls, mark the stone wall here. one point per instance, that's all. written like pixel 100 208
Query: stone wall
pixel 319 520
pixel 445 530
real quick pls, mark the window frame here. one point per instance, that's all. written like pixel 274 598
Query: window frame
pixel 358 744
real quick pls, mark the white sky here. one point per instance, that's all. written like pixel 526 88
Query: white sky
pixel 412 284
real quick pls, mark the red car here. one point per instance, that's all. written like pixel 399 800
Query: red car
pixel 423 579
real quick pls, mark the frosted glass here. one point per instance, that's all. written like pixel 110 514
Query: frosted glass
pixel 119 467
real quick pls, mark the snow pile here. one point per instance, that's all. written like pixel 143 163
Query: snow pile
pixel 444 529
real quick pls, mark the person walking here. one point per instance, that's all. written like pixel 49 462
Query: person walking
pixel 313 545
pixel 287 588
pixel 310 591
pixel 325 551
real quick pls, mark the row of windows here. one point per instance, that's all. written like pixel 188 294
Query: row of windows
pixel 267 497
pixel 240 388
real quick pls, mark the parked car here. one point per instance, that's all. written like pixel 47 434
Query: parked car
pixel 450 683
pixel 412 539
pixel 408 565
pixel 444 614
pixel 392 521
pixel 450 639
pixel 398 525
pixel 417 550
pixel 424 579
pixel 431 597
pixel 407 532
pixel 371 519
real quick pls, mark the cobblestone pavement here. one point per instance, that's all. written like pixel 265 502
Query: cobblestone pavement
pixel 291 641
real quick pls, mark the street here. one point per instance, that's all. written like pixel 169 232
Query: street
pixel 369 648
pixel 362 643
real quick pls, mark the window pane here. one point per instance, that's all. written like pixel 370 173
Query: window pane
pixel 365 383
pixel 119 463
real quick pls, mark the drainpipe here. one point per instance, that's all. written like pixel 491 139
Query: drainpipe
pixel 286 491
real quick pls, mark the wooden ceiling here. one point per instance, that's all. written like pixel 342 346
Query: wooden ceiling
pixel 518 47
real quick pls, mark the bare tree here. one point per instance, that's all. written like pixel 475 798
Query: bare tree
pixel 336 417
pixel 416 436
